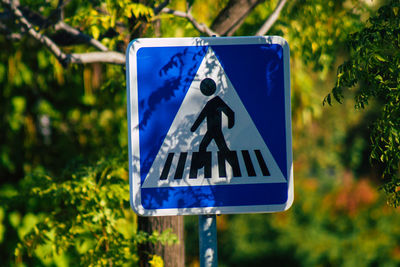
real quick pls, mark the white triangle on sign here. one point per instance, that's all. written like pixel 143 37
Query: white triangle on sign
pixel 243 136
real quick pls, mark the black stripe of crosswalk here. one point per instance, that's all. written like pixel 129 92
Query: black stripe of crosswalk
pixel 167 166
pixel 261 161
pixel 248 163
pixel 232 159
pixel 181 166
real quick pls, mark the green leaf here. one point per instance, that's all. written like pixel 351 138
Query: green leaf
pixel 379 57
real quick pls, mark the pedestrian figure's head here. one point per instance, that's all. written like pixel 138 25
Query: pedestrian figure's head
pixel 208 86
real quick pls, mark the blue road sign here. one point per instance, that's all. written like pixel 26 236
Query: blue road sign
pixel 209 125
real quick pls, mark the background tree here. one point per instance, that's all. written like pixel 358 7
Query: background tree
pixel 373 69
pixel 64 187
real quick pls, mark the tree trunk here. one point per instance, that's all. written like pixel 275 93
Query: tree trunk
pixel 173 255
pixel 233 15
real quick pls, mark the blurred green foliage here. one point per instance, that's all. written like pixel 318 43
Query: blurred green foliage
pixel 373 69
pixel 63 163
pixel 87 218
pixel 330 225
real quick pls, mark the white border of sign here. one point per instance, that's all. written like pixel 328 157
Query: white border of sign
pixel 133 119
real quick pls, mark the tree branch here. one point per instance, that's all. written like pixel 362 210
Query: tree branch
pixel 272 18
pixel 62 57
pixel 98 57
pixel 233 15
pixel 42 22
pixel 118 58
pixel 88 39
pixel 160 7
pixel 201 27
pixel 91 57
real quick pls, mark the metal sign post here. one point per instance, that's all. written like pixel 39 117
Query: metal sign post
pixel 208 247
pixel 208 241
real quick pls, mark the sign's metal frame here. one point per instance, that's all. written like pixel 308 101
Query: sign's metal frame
pixel 133 122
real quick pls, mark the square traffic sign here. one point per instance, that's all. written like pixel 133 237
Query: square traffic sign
pixel 209 125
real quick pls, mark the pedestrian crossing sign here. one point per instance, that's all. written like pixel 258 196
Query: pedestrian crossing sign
pixel 209 125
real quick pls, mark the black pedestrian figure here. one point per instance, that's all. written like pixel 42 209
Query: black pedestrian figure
pixel 212 111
